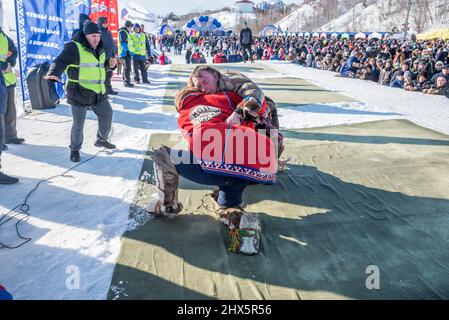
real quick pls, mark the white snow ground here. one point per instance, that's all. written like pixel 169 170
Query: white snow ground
pixel 376 103
pixel 76 221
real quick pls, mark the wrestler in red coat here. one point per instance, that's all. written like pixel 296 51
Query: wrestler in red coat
pixel 235 150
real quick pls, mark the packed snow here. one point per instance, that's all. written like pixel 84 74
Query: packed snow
pixel 77 220
pixel 376 103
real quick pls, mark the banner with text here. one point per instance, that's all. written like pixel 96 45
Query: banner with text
pixel 41 33
pixel 109 9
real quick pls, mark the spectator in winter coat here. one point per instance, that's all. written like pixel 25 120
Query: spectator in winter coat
pixel 126 52
pixel 163 59
pixel 437 71
pixel 441 87
pixel 351 67
pixel 246 40
pixel 141 47
pixel 443 73
pixel 188 55
pixel 408 80
pixel 399 82
pixel 405 66
pixel 219 57
pixel 109 48
pixel 195 58
pixel 301 60
pixel 420 83
pixel 386 74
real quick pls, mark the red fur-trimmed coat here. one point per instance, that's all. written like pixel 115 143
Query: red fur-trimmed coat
pixel 223 149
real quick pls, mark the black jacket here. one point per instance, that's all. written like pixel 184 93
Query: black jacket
pixel 77 95
pixel 107 39
pixel 12 59
pixel 246 37
pixel 444 91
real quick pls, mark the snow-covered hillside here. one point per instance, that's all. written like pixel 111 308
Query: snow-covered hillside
pixel 379 15
pixel 296 21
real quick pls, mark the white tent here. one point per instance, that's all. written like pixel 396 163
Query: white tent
pixel 360 35
pixel 375 35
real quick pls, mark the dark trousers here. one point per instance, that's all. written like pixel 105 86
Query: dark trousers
pixel 140 65
pixel 108 81
pixel 230 189
pixel 2 133
pixel 11 115
pixel 3 106
pixel 247 51
pixel 127 70
pixel 103 111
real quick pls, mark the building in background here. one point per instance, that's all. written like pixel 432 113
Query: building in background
pixel 244 6
pixel 265 6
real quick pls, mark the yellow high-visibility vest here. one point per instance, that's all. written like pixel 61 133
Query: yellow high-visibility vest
pixel 92 73
pixel 130 43
pixel 139 44
pixel 10 77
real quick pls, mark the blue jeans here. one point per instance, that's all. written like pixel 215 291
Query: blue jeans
pixel 230 189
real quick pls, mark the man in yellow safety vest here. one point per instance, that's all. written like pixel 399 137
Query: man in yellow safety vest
pixel 141 47
pixel 8 59
pixel 84 61
pixel 126 51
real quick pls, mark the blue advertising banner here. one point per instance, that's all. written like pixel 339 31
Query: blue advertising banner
pixel 43 26
pixel 40 32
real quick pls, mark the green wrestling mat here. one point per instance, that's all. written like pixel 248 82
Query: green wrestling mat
pixel 355 196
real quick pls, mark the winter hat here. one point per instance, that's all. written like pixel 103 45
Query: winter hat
pixel 128 24
pixel 439 63
pixel 91 28
pixel 137 26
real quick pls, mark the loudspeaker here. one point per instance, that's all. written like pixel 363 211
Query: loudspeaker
pixel 43 94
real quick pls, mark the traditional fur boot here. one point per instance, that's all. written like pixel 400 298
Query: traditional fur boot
pixel 244 228
pixel 167 181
